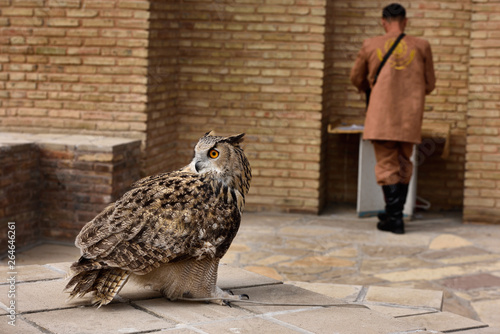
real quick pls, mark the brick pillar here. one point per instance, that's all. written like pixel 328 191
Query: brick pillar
pixel 161 149
pixel 19 193
pixel 80 176
pixel 51 185
pixel 482 194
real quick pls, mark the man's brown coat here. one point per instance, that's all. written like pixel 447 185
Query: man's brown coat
pixel 396 104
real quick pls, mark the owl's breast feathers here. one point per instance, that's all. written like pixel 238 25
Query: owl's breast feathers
pixel 164 218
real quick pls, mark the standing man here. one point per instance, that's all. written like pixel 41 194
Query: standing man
pixel 395 110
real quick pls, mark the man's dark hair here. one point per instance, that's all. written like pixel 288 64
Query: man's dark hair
pixel 394 11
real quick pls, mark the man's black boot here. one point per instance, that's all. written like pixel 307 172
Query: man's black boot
pixel 382 216
pixel 403 192
pixel 395 197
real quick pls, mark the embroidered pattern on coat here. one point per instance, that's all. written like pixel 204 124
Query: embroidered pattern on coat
pixel 400 58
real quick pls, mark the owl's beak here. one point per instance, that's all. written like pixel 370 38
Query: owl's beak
pixel 198 166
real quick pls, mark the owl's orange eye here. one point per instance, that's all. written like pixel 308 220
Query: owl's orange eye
pixel 213 153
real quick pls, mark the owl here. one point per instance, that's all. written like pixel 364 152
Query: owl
pixel 169 231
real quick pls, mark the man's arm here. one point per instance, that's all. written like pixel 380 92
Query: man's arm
pixel 359 71
pixel 430 77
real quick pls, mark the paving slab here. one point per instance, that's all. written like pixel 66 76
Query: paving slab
pixel 185 312
pixel 31 273
pixel 273 259
pixel 444 241
pixel 349 252
pixel 319 261
pixel 352 236
pixel 21 327
pixel 113 318
pixel 386 251
pixel 375 266
pixel 346 321
pixel 443 322
pixel 470 282
pixel 486 330
pixel 41 296
pixel 345 292
pixel 178 331
pixel 62 267
pixel 489 310
pixel 402 296
pixel 444 254
pixel 133 291
pixel 470 259
pixel 437 273
pixel 479 294
pixel 283 293
pixel 410 239
pixel 309 231
pixel 248 326
pixel 55 252
pixel 265 271
pixel 399 311
pixel 230 277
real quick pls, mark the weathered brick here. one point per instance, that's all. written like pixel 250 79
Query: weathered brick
pixel 98 23
pixel 25 21
pixel 17 11
pixel 62 22
pixel 144 5
pixel 81 12
pixel 48 50
pixel 64 3
pixel 28 3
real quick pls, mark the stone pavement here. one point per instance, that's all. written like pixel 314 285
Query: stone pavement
pixel 442 276
pixel 438 252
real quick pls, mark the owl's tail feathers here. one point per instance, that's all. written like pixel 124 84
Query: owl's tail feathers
pixel 106 282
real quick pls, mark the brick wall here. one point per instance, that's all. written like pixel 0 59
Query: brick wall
pixel 256 66
pixel 76 66
pixel 166 72
pixel 482 194
pixel 446 25
pixel 19 193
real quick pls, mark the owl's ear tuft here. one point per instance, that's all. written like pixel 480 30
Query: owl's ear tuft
pixel 236 139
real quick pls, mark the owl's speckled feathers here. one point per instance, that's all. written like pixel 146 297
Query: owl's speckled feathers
pixel 170 230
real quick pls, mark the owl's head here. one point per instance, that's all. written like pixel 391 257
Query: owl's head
pixel 223 158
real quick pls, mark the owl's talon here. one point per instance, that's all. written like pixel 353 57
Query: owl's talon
pixel 244 297
pixel 227 303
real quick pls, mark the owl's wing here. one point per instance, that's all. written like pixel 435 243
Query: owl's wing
pixel 149 180
pixel 151 224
